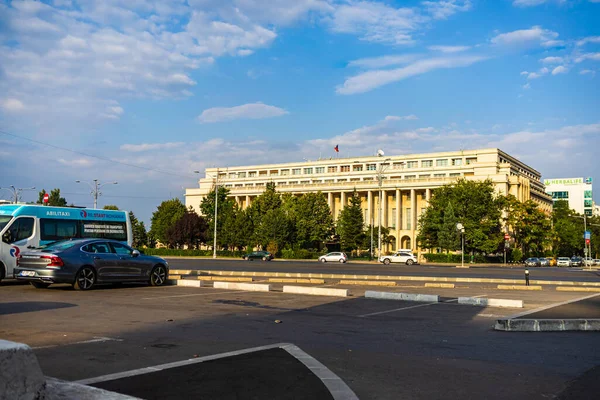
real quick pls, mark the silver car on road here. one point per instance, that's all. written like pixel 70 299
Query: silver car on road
pixel 85 262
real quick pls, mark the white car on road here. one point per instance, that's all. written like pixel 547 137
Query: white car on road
pixel 334 257
pixel 399 257
pixel 563 262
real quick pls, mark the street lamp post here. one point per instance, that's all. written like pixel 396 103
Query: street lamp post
pixel 216 205
pixel 587 247
pixel 96 189
pixel 16 192
pixel 382 168
pixel 461 229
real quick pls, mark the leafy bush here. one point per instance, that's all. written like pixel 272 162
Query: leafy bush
pixel 456 258
pixel 191 253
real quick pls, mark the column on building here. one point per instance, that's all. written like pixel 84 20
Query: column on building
pixel 427 195
pixel 413 216
pixel 342 200
pixel 247 201
pixel 398 213
pixel 369 207
pixel 237 200
pixel 384 213
pixel 330 203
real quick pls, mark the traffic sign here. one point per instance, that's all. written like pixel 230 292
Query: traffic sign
pixel 506 236
pixel 587 241
pixel 46 198
pixel 587 235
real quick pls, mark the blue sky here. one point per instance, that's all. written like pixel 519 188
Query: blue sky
pixel 169 87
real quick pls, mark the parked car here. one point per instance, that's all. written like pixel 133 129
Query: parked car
pixel 563 262
pixel 399 257
pixel 334 257
pixel 576 261
pixel 544 262
pixel 259 255
pixel 596 261
pixel 532 262
pixel 551 261
pixel 588 262
pixel 87 262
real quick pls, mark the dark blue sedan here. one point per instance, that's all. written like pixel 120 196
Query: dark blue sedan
pixel 85 262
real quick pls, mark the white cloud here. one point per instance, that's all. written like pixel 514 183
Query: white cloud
pixel 12 105
pixel 383 61
pixel 527 37
pixel 535 75
pixel 443 9
pixel 528 3
pixel 587 72
pixel 135 148
pixel 373 79
pixel 449 49
pixel 411 117
pixel 527 86
pixel 589 39
pixel 77 162
pixel 552 60
pixel 245 111
pixel 588 56
pixel 560 70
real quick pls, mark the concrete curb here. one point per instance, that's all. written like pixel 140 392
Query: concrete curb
pixel 21 378
pixel 367 283
pixel 547 325
pixel 292 280
pixel 519 287
pixel 485 302
pixel 298 275
pixel 189 283
pixel 316 291
pixel 429 298
pixel 226 278
pixel 440 285
pixel 251 287
pixel 577 289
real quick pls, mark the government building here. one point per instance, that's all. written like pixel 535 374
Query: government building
pixel 398 186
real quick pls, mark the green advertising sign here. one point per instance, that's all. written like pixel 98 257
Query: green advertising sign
pixel 566 181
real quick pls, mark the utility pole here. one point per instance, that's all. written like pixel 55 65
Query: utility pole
pixel 216 204
pixel 16 192
pixel 382 168
pixel 96 188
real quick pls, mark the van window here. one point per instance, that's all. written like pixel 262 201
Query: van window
pixel 21 228
pixel 57 229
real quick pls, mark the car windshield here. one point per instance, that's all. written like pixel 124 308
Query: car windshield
pixel 563 259
pixel 4 220
pixel 59 246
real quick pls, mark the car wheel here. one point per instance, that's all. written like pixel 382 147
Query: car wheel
pixel 2 272
pixel 264 258
pixel 39 285
pixel 158 276
pixel 342 260
pixel 409 262
pixel 85 279
pixel 386 261
pixel 323 260
pixel 245 258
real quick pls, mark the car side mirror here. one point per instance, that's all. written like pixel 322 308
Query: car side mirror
pixel 6 237
pixel 135 253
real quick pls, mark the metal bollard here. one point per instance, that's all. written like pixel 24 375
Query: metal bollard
pixel 526 277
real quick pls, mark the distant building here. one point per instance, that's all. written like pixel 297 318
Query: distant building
pixel 596 210
pixel 406 183
pixel 577 191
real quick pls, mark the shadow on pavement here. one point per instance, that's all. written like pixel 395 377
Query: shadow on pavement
pixel 31 306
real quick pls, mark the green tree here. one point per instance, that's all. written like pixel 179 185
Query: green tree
pixel 140 236
pixel 165 216
pixel 313 220
pixel 270 200
pixel 54 198
pixel 224 208
pixel 448 235
pixel 350 224
pixel 386 238
pixel 567 237
pixel 237 230
pixel 531 229
pixel 189 230
pixel 475 205
pixel 110 207
pixel 273 230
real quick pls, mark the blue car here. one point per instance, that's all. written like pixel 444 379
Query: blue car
pixel 84 263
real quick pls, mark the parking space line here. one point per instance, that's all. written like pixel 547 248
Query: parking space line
pixel 94 340
pixel 562 303
pixel 195 294
pixel 410 307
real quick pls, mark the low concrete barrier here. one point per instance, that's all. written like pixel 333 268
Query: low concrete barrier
pixel 20 373
pixel 429 298
pixel 174 277
pixel 251 287
pixel 547 325
pixel 577 289
pixel 484 302
pixel 316 291
pixel 189 283
pixel 440 285
pixel 368 283
pixel 226 278
pixel 519 287
pixel 292 280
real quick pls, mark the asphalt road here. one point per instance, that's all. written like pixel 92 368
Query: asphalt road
pixel 381 349
pixel 584 309
pixel 546 273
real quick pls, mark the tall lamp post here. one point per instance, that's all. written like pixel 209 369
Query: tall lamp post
pixel 96 188
pixel 382 167
pixel 461 229
pixel 587 246
pixel 16 192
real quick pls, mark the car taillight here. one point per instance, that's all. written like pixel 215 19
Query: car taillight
pixel 54 261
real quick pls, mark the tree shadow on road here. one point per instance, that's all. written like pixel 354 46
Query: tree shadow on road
pixel 31 306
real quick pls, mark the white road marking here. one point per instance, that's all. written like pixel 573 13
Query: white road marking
pixel 195 294
pixel 94 340
pixel 562 303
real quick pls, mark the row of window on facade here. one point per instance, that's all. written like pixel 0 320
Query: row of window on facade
pixel 563 195
pixel 521 170
pixel 350 168
pixel 405 223
pixel 367 179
